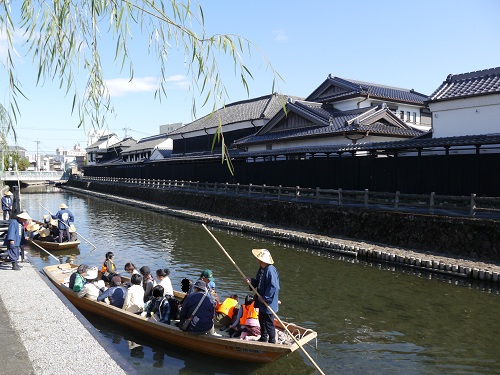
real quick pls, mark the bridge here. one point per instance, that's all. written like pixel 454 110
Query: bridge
pixel 31 176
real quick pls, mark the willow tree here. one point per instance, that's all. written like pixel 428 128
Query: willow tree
pixel 65 38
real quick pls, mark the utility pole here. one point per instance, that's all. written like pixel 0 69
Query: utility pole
pixel 125 130
pixel 37 168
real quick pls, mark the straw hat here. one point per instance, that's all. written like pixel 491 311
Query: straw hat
pixel 263 255
pixel 44 232
pixel 33 227
pixel 53 222
pixel 8 193
pixel 62 205
pixel 24 215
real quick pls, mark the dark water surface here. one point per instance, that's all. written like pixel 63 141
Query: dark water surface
pixel 369 319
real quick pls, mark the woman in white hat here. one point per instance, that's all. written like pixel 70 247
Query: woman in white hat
pixel 64 219
pixel 16 237
pixel 7 203
pixel 92 288
pixel 267 283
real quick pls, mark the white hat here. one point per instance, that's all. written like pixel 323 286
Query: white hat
pixel 263 255
pixel 24 215
pixel 62 205
pixel 8 192
pixel 91 273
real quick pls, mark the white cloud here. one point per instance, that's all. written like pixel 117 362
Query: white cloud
pixel 180 81
pixel 123 86
pixel 280 36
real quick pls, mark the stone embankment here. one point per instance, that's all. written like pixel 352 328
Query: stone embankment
pixel 461 247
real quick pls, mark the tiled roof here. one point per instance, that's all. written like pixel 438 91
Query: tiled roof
pixel 421 142
pixel 457 86
pixel 125 143
pixel 355 88
pixel 325 120
pixel 102 139
pixel 264 107
pixel 146 144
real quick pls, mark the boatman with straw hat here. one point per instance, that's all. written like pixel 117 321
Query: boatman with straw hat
pixel 15 238
pixel 7 203
pixel 64 219
pixel 267 284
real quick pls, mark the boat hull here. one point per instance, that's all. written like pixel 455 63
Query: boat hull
pixel 250 351
pixel 56 245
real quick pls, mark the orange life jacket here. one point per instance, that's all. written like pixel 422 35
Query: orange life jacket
pixel 248 312
pixel 104 268
pixel 227 307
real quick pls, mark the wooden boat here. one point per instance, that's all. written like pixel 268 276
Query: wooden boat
pixel 55 245
pixel 232 348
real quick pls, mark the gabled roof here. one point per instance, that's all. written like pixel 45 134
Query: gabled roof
pixel 101 140
pixel 324 120
pixel 264 107
pixel 458 86
pixel 124 144
pixel 146 144
pixel 336 89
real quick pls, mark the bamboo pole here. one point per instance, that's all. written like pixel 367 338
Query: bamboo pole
pixel 262 300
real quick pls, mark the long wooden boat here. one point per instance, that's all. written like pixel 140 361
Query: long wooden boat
pixel 232 348
pixel 56 245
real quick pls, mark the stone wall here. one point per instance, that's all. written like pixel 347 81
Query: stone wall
pixel 455 236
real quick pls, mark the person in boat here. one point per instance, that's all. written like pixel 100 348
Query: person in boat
pixel 72 233
pixel 45 235
pixel 247 324
pixel 7 203
pixel 108 269
pixel 207 277
pixel 148 282
pixel 201 321
pixel 164 281
pixel 134 299
pixel 77 279
pixel 32 230
pixel 186 285
pixel 131 269
pixel 267 284
pixel 158 304
pixel 64 219
pixel 115 294
pixel 93 286
pixel 226 311
pixel 16 238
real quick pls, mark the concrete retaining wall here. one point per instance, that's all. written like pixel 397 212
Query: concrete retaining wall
pixel 461 237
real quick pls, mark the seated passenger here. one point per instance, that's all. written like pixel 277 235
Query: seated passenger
pixel 93 286
pixel 108 269
pixel 148 282
pixel 207 277
pixel 115 293
pixel 77 279
pixel 45 235
pixel 164 281
pixel 134 298
pixel 159 305
pixel 249 320
pixel 227 310
pixel 201 320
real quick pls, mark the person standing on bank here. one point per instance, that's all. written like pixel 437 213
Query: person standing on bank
pixel 267 284
pixel 7 203
pixel 16 237
pixel 64 219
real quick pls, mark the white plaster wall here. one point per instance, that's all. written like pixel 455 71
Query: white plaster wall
pixel 471 116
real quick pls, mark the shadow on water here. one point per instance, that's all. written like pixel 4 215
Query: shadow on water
pixel 148 357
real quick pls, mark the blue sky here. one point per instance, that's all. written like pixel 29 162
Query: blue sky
pixel 409 44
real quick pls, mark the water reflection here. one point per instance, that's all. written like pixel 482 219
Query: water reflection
pixel 370 317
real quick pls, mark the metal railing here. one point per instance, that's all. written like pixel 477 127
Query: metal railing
pixel 421 203
pixel 31 175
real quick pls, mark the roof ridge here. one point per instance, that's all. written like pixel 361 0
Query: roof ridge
pixel 473 74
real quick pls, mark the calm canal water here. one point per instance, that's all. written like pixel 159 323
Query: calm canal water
pixel 370 319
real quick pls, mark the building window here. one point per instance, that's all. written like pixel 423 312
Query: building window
pixel 414 117
pixel 408 116
pixel 402 115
